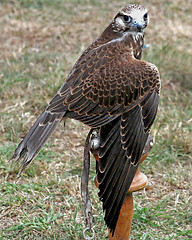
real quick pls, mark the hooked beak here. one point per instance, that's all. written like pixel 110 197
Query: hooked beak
pixel 139 27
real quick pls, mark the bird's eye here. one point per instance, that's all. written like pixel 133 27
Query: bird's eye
pixel 145 16
pixel 127 18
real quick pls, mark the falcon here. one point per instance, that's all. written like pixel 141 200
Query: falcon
pixel 110 89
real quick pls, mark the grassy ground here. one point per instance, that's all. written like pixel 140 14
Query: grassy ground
pixel 39 42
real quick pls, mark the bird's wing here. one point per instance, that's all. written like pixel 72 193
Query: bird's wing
pixel 122 144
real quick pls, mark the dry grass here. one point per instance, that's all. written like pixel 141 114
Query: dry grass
pixel 39 43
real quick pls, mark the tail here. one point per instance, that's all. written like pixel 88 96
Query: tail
pixel 30 146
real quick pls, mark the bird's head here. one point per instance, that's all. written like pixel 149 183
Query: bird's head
pixel 132 18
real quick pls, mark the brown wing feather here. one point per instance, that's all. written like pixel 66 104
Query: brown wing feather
pixel 122 143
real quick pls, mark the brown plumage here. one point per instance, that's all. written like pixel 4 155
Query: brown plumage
pixel 109 88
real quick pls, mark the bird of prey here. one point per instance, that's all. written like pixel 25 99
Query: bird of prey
pixel 110 89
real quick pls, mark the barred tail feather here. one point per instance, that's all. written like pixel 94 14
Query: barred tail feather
pixel 30 146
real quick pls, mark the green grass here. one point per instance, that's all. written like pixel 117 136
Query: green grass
pixel 39 42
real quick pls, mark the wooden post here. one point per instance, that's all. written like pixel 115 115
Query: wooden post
pixel 124 222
